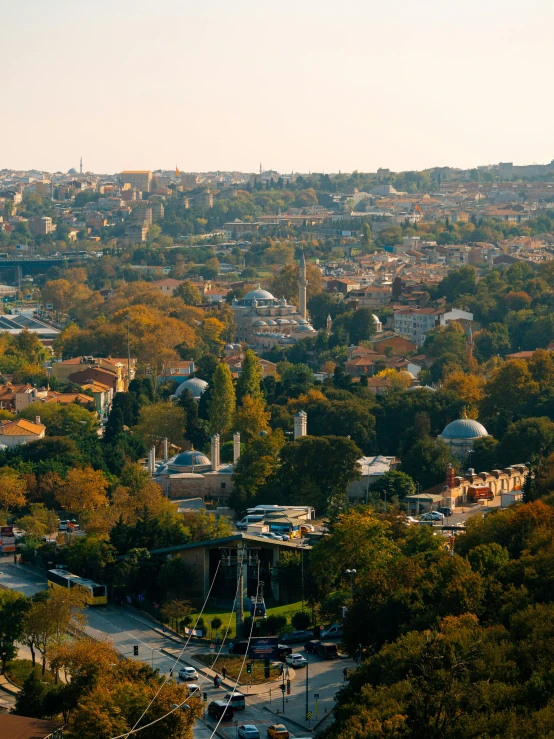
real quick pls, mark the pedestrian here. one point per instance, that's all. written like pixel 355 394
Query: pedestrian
pixel 224 672
pixel 15 559
pixel 345 674
pixel 216 682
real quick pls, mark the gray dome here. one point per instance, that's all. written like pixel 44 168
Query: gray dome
pixel 304 327
pixel 420 387
pixel 195 385
pixel 260 323
pixel 464 428
pixel 258 294
pixel 191 458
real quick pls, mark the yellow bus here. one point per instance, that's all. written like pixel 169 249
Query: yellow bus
pixel 95 595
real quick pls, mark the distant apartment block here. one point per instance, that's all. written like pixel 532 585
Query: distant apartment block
pixel 40 226
pixel 141 179
pixel 415 323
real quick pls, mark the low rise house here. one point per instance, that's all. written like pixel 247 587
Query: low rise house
pixel 372 468
pixel 21 431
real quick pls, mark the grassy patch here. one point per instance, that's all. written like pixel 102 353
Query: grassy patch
pixel 209 613
pixel 233 663
pixel 18 670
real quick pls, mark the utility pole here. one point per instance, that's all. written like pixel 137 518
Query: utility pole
pixel 307 680
pixel 241 553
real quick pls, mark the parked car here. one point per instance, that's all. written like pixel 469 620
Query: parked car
pixel 248 731
pixel 312 645
pixel 296 637
pixel 332 632
pixel 188 673
pixel 278 731
pixel 237 700
pixel 272 536
pixel 432 516
pixel 63 525
pixel 220 710
pixel 446 511
pixel 296 660
pixel 327 650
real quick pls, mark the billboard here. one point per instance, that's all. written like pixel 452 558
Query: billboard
pixel 264 646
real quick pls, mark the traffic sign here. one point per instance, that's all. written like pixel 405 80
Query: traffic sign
pixel 316 696
pixel 140 596
pixel 308 715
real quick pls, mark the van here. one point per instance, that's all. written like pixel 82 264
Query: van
pixel 332 632
pixel 236 700
pixel 248 520
pixel 327 650
pixel 220 710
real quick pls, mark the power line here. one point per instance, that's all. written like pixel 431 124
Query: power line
pixel 178 658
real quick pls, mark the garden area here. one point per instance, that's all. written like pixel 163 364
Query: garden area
pixel 233 664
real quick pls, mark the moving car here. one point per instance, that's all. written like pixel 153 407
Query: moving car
pixel 248 731
pixel 271 535
pixel 220 710
pixel 296 637
pixel 188 673
pixel 283 650
pixel 296 660
pixel 193 689
pixel 446 511
pixel 278 731
pixel 237 700
pixel 332 632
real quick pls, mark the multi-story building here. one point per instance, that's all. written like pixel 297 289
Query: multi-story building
pixel 373 296
pixel 141 179
pixel 415 323
pixel 40 226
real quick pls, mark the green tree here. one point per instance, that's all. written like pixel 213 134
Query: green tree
pixel 257 463
pixel 315 470
pixel 426 461
pixel 13 606
pixel 396 484
pixel 222 404
pixel 250 377
pixel 160 420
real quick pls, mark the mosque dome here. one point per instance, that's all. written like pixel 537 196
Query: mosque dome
pixel 190 458
pixel 304 327
pixel 302 320
pixel 260 323
pixel 195 385
pixel 258 294
pixel 464 428
pixel 270 322
pixel 420 387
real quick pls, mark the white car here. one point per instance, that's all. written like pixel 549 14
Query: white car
pixel 432 516
pixel 188 673
pixel 296 660
pixel 248 731
pixel 193 689
pixel 271 535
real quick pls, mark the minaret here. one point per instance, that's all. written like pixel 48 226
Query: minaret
pixel 302 285
pixel 300 424
pixel 81 166
pixel 329 323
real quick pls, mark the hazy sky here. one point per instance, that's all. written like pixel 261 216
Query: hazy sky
pixel 296 84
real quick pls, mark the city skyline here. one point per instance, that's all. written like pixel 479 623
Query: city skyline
pixel 300 87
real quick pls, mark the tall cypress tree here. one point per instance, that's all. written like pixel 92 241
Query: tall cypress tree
pixel 250 377
pixel 222 404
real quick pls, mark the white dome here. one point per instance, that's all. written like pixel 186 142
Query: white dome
pixel 260 323
pixel 258 294
pixel 464 428
pixel 195 385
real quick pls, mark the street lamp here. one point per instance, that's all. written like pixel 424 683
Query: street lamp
pixel 307 681
pixel 351 574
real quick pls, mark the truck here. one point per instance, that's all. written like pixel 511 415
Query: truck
pixel 479 492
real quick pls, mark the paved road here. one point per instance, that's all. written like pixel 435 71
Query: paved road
pixel 125 629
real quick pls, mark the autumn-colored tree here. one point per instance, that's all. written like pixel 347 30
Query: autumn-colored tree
pixel 48 620
pixel 59 293
pixel 12 489
pixel 285 282
pixel 398 380
pixel 252 417
pixel 222 403
pixel 83 490
pixel 160 420
pixel 468 387
pixel 212 330
pixel 189 293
